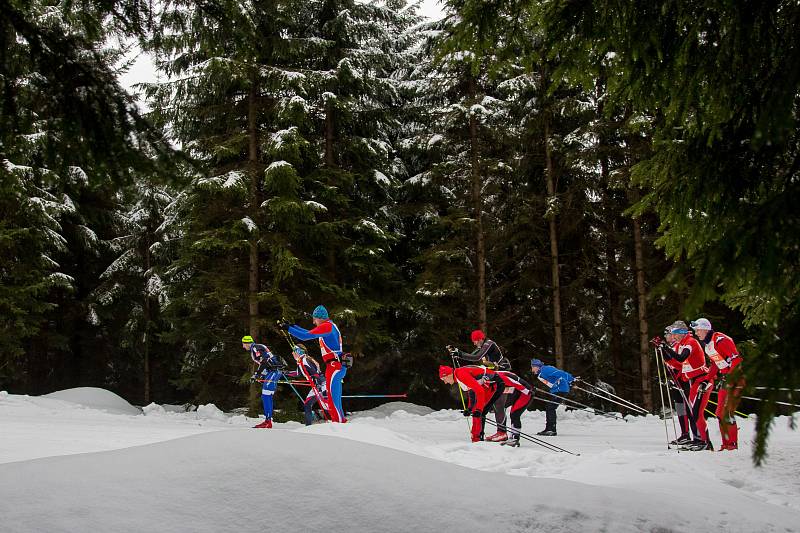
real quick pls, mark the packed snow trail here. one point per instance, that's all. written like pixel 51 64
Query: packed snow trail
pixel 396 467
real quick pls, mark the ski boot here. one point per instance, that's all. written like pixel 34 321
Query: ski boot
pixel 696 445
pixel 513 442
pixel 500 436
pixel 266 424
pixel 548 433
pixel 682 440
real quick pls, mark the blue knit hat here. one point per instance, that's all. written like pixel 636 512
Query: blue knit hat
pixel 320 312
pixel 536 362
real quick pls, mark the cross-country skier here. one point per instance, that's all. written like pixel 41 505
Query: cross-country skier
pixel 722 351
pixel 487 354
pixel 483 386
pixel 268 372
pixel 519 399
pixel 678 387
pixel 685 350
pixel 558 382
pixel 308 368
pixel 330 344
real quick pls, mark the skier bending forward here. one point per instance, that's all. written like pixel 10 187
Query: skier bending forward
pixel 268 372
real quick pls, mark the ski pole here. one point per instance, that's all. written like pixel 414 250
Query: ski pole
pixel 579 404
pixel 460 392
pixel 663 407
pixel 375 396
pixel 620 401
pixel 637 409
pixel 540 442
pixel 584 409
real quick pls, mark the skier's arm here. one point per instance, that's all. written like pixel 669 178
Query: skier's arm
pixel 306 335
pixel 681 356
pixel 468 357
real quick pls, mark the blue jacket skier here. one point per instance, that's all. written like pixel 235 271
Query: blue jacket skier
pixel 557 381
pixel 330 344
pixel 268 372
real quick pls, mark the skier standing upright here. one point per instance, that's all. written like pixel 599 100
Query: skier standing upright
pixel 488 354
pixel 268 372
pixel 558 382
pixel 684 349
pixel 330 345
pixel 722 352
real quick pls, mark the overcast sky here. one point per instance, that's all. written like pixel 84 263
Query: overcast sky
pixel 144 71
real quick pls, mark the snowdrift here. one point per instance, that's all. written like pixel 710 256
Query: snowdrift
pixel 95 398
pixel 398 467
pixel 286 481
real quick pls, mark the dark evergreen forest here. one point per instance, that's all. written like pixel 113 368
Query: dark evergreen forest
pixel 569 176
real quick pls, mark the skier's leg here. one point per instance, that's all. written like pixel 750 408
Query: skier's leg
pixel 334 374
pixel 308 406
pixel 499 407
pixel 722 415
pixel 267 392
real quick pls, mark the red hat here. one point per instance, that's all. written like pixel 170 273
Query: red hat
pixel 445 371
pixel 477 335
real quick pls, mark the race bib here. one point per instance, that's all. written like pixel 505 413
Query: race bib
pixel 686 368
pixel 721 363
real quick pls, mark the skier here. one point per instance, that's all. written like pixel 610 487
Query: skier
pixel 309 369
pixel 268 372
pixel 487 354
pixel 330 344
pixel 482 386
pixel 678 388
pixel 558 381
pixel 519 400
pixel 685 350
pixel 722 351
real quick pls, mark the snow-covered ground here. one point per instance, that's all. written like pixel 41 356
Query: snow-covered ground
pixel 84 459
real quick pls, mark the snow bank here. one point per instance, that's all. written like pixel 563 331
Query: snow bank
pixel 391 408
pixel 95 398
pixel 219 481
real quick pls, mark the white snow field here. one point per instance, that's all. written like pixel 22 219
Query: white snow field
pixel 81 460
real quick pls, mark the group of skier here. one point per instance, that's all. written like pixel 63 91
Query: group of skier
pixel 694 362
pixel 325 387
pixel 697 363
pixel 486 378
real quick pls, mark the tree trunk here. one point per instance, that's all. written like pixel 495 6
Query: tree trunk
pixel 612 272
pixel 477 207
pixel 552 207
pixel 147 311
pixel 641 294
pixel 329 134
pixel 252 131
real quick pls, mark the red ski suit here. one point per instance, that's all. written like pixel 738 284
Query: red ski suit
pixel 725 357
pixel 690 361
pixel 472 379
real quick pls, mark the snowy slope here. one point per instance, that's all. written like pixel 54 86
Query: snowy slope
pixel 397 468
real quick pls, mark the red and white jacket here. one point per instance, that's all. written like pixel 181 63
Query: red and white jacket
pixel 722 351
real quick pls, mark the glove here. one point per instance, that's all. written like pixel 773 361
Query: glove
pixel 451 349
pixel 720 384
pixel 466 412
pixel 283 324
pixel 656 341
pixel 254 377
pixel 704 386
